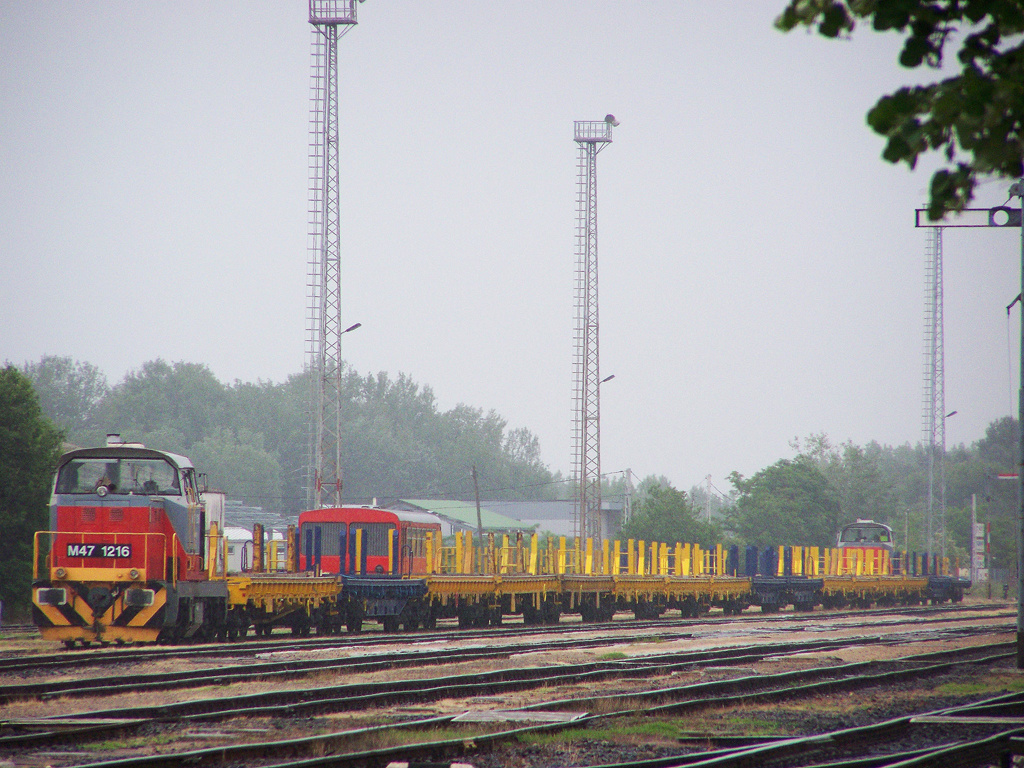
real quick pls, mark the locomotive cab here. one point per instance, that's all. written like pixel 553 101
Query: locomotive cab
pixel 868 545
pixel 865 533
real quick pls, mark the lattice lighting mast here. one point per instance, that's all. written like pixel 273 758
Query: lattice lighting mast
pixel 934 407
pixel 330 20
pixel 591 137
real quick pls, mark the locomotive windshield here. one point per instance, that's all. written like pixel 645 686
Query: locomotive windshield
pixel 875 534
pixel 120 476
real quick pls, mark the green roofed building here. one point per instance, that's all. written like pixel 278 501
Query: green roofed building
pixel 461 516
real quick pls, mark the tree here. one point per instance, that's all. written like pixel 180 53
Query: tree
pixel 665 514
pixel 855 474
pixel 29 449
pixel 997 499
pixel 185 396
pixel 790 502
pixel 394 441
pixel 238 464
pixel 976 118
pixel 69 391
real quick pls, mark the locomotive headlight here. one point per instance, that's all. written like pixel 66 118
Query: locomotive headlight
pixel 60 573
pixel 51 596
pixel 133 573
pixel 139 598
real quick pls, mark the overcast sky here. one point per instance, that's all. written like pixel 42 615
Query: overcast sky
pixel 760 274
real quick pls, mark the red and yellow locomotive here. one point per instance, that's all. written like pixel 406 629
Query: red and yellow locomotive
pixel 125 558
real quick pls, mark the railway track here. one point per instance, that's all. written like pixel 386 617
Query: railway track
pixel 79 658
pixel 344 747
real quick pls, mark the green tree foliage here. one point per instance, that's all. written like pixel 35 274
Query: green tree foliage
pixel 856 475
pixel 251 439
pixel 29 448
pixel 890 484
pixel 238 461
pixel 69 391
pixel 975 118
pixel 790 502
pixel 974 472
pixel 184 396
pixel 665 514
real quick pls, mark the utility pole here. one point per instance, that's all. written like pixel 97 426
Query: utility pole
pixel 479 520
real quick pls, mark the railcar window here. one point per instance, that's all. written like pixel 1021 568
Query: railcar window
pixel 416 541
pixel 137 476
pixel 332 538
pixel 375 537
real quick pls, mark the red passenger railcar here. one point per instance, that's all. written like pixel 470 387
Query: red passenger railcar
pixel 365 541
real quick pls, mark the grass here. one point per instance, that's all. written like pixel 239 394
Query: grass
pixel 612 656
pixel 648 731
pixel 140 741
pixel 989 684
pixel 627 731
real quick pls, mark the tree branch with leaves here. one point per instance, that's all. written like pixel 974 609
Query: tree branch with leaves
pixel 976 118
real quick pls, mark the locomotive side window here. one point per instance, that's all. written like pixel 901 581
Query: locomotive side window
pixel 120 476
